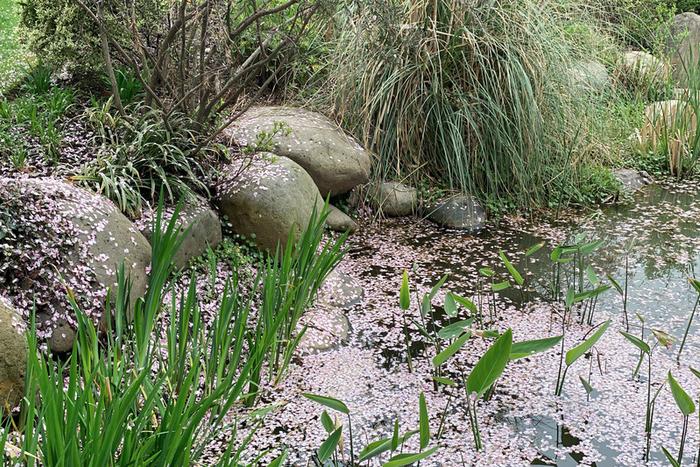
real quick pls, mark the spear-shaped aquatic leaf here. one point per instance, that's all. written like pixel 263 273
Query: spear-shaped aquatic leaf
pixel 592 276
pixel 683 400
pixel 451 349
pixel 534 249
pixel 405 294
pixel 375 448
pixel 570 297
pixel 586 385
pixel 499 286
pixel 616 284
pixel 454 329
pixel 329 446
pixel 465 302
pixel 450 306
pixel 327 422
pixel 531 347
pixel 514 273
pixel 637 342
pixel 407 459
pixel 279 461
pixel 436 288
pixel 695 372
pixel 444 381
pixel 395 437
pixel 575 353
pixel 670 458
pixel 487 272
pixel 329 402
pixel 423 422
pixel 491 365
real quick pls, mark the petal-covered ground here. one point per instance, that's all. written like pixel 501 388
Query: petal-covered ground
pixel 523 421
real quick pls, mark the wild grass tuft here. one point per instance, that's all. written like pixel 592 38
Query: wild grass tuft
pixel 480 96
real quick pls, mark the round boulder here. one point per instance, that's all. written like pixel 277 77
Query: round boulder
pixel 631 180
pixel 61 240
pixel 683 47
pixel 394 199
pixel 335 161
pixel 266 197
pixel 590 77
pixel 13 357
pixel 197 221
pixel 639 67
pixel 462 212
pixel 339 221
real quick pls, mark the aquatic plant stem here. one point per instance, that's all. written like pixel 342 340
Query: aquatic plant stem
pixel 687 329
pixel 684 434
pixel 647 427
pixel 624 298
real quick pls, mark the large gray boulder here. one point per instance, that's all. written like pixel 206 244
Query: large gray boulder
pixel 266 197
pixel 197 221
pixel 65 239
pixel 462 212
pixel 394 199
pixel 335 161
pixel 13 357
pixel 683 46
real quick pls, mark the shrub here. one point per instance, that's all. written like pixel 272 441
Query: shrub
pixel 60 34
pixel 475 95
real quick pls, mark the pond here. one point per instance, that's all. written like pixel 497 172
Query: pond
pixel 652 240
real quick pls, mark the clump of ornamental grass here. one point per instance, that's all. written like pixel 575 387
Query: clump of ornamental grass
pixel 475 95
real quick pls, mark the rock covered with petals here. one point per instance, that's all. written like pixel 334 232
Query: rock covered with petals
pixel 335 161
pixel 266 197
pixel 199 223
pixel 59 238
pixel 13 356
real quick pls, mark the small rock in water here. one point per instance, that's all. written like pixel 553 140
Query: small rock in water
pixel 631 180
pixel 394 199
pixel 339 221
pixel 463 212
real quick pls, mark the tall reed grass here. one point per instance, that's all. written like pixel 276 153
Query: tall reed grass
pixel 477 94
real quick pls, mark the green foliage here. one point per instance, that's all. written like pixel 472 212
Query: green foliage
pixel 422 85
pixel 643 23
pixel 140 154
pixel 33 116
pixel 148 393
pixel 61 34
